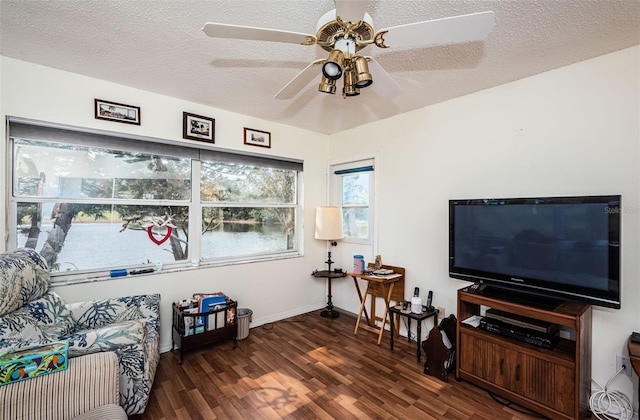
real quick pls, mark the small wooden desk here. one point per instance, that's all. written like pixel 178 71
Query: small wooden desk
pixel 386 287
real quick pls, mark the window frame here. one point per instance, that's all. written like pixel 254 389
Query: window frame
pixel 195 151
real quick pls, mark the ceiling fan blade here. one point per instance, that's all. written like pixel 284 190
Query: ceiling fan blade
pixel 298 83
pixel 383 83
pixel 351 10
pixel 223 30
pixel 463 28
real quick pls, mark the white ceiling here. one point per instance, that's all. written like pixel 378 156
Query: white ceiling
pixel 159 46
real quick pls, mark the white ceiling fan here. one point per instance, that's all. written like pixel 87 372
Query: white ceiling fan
pixel 346 30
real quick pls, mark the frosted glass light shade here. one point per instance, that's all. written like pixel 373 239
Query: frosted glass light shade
pixel 329 223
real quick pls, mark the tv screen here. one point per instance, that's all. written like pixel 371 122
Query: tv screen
pixel 556 247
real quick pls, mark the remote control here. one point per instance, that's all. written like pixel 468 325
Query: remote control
pixel 473 288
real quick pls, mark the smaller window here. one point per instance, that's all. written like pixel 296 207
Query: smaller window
pixel 354 185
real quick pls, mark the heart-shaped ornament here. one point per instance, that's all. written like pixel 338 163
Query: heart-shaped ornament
pixel 161 240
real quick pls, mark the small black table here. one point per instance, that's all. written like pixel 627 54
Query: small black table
pixel 329 275
pixel 426 314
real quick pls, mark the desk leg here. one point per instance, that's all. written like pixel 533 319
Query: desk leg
pixel 419 337
pixel 386 312
pixel 355 281
pixel 392 328
pixel 372 320
pixel 408 329
pixel 363 300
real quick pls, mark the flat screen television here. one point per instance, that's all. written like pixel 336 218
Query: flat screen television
pixel 550 248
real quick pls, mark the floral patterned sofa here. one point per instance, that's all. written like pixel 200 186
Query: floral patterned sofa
pixel 30 314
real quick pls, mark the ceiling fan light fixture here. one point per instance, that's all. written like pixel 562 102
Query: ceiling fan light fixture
pixel 327 85
pixel 332 68
pixel 363 77
pixel 346 30
pixel 350 88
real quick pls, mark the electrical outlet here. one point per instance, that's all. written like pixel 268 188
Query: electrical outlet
pixel 441 312
pixel 621 360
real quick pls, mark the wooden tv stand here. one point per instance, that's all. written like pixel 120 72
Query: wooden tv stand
pixel 553 382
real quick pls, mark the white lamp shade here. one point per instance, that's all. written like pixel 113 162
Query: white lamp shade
pixel 329 223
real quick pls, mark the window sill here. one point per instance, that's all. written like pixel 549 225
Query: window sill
pixel 73 279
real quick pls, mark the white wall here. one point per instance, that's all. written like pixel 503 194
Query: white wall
pixel 572 131
pixel 274 289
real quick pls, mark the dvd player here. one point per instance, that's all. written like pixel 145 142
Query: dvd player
pixel 537 338
pixel 522 321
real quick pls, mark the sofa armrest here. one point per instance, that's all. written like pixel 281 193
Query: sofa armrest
pixel 88 382
pixel 98 313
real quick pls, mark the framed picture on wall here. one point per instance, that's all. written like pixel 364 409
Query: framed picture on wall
pixel 197 127
pixel 113 111
pixel 257 137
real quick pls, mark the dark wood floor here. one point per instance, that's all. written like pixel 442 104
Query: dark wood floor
pixel 309 367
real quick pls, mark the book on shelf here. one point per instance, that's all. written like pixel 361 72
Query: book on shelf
pixel 209 303
pixel 215 321
pixel 193 324
pixel 212 303
pixel 198 296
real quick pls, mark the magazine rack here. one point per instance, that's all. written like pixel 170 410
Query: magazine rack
pixel 441 353
pixel 192 330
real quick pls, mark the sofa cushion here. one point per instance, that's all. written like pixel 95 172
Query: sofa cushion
pixel 107 338
pixel 19 330
pixel 43 320
pixel 24 277
pixel 100 312
pixel 53 316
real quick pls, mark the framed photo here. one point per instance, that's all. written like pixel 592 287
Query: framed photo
pixel 197 127
pixel 257 137
pixel 113 111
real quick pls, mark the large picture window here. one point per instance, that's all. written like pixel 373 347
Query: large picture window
pixel 94 202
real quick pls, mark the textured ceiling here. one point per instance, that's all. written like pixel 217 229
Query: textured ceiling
pixel 159 46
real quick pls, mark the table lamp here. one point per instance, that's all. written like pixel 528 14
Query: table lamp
pixel 329 227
